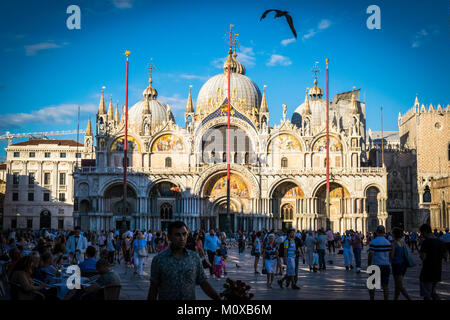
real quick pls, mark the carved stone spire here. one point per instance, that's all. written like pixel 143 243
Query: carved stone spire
pixel 89 127
pixel 101 107
pixel 110 110
pixel 189 105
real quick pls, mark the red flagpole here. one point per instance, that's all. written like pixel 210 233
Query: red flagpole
pixel 125 158
pixel 228 136
pixel 328 155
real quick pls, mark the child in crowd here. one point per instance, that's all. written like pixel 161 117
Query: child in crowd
pixel 217 268
pixel 224 255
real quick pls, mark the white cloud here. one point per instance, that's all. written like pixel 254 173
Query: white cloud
pixel 322 25
pixel 60 114
pixel 31 50
pixel 310 33
pixel 218 63
pixel 279 60
pixel 285 42
pixel 193 77
pixel 175 102
pixel 123 4
pixel 423 36
pixel 246 56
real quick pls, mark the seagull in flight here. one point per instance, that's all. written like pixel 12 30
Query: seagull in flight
pixel 280 13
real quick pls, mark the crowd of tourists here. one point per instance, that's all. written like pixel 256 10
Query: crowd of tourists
pixel 33 263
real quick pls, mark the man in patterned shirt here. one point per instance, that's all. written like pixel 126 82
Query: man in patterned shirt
pixel 176 271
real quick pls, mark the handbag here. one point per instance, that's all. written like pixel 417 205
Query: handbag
pixel 142 252
pixel 408 257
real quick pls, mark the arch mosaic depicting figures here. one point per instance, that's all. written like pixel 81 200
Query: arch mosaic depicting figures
pixel 321 145
pixel 217 187
pixel 286 188
pixel 285 142
pixel 132 144
pixel 168 143
pixel 218 170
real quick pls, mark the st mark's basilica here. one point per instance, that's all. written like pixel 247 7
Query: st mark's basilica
pixel 278 174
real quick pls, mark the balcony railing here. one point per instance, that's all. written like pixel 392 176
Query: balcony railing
pixel 256 170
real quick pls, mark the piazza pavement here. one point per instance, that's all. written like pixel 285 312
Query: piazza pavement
pixel 335 283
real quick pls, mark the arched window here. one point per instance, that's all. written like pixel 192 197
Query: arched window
pixel 45 220
pixel 427 195
pixel 166 211
pixel 246 158
pixel 284 162
pixel 168 162
pixel 224 157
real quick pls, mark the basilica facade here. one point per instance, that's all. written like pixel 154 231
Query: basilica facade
pixel 277 173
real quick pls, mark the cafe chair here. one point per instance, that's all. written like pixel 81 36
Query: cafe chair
pixel 111 292
pixel 14 290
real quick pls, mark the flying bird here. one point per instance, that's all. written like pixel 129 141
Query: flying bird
pixel 280 13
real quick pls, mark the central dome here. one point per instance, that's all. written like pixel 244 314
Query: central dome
pixel 241 88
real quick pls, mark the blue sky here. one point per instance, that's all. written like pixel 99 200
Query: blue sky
pixel 46 70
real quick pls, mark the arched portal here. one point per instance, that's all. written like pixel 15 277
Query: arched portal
pixel 114 203
pixel 164 203
pixel 114 200
pixel 84 206
pixel 395 204
pixel 372 208
pixel 339 202
pixel 45 220
pixel 215 193
pixel 284 204
pixel 220 212
pixel 287 216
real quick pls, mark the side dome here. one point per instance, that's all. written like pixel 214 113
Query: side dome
pixel 242 87
pixel 158 111
pixel 317 110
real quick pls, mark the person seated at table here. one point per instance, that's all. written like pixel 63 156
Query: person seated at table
pixel 89 265
pixel 48 270
pixel 16 255
pixel 58 254
pixel 11 246
pixel 21 277
pixel 108 277
pixel 37 274
pixel 40 245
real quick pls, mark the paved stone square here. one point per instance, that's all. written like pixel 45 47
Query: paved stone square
pixel 333 284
